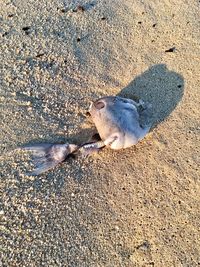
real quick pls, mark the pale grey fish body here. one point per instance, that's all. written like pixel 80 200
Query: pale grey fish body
pixel 117 121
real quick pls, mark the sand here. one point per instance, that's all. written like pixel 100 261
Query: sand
pixel 133 208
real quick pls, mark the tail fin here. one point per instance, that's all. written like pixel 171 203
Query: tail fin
pixel 47 156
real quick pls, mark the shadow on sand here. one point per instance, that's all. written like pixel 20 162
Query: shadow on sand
pixel 159 86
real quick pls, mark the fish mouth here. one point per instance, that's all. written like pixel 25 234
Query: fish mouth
pixel 99 104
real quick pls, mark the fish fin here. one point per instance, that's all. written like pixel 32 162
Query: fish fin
pixel 47 156
pixel 43 167
pixel 146 116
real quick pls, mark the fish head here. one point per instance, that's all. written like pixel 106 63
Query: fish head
pixel 103 112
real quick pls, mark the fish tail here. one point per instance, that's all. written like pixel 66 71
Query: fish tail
pixel 47 156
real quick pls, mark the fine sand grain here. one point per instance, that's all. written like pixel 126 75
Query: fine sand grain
pixel 138 207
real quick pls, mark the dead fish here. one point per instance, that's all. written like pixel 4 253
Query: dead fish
pixel 117 121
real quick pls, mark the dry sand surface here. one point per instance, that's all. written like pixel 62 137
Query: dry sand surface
pixel 133 208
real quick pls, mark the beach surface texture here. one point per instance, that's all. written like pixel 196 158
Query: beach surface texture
pixel 137 207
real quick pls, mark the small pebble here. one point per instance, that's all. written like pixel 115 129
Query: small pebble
pixel 171 49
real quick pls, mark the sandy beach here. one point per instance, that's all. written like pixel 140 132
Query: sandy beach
pixel 137 207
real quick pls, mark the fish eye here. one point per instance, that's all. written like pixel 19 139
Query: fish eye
pixel 99 104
